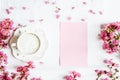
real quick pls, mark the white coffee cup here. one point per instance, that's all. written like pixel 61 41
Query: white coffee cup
pixel 27 43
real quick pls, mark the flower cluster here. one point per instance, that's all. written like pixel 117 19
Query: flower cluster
pixel 3 61
pixel 110 34
pixel 111 73
pixel 73 76
pixel 5 27
pixel 22 73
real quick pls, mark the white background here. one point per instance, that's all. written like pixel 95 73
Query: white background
pixel 37 9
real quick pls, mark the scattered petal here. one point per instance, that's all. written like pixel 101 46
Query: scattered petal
pixel 36 78
pixel 31 21
pixel 84 3
pixel 53 3
pixel 41 20
pixel 69 18
pixel 19 25
pixel 73 8
pixel 82 19
pixel 8 11
pixel 41 62
pixel 92 12
pixel 57 10
pixel 46 2
pixel 11 8
pixel 100 12
pixel 57 16
pixel 24 8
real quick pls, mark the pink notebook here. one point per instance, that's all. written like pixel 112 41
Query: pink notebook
pixel 73 44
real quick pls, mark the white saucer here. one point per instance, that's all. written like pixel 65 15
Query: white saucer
pixel 28 44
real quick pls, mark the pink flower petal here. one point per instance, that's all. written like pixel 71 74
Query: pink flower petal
pixel 69 18
pixel 41 20
pixel 8 11
pixel 24 8
pixel 41 62
pixel 19 25
pixel 31 21
pixel 91 11
pixel 57 10
pixel 84 3
pixel 11 7
pixel 57 16
pixel 100 12
pixel 73 8
pixel 82 19
pixel 46 2
pixel 53 3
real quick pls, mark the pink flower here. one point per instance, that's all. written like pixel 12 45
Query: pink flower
pixel 19 69
pixel 99 71
pixel 76 74
pixel 106 46
pixel 5 27
pixel 3 58
pixel 69 78
pixel 111 63
pixel 3 68
pixel 14 75
pixel 110 73
pixel 5 32
pixel 27 73
pixel 5 76
pixel 110 35
pixel 23 72
pixel 30 64
pixel 7 24
pixel 25 69
pixel 104 35
pixel 73 76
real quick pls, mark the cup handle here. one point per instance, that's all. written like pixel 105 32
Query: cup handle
pixel 13 44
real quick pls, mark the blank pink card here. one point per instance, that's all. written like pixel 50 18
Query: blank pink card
pixel 73 44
